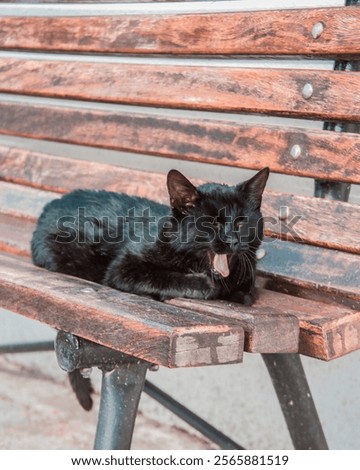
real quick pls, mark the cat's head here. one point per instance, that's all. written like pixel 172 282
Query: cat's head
pixel 221 221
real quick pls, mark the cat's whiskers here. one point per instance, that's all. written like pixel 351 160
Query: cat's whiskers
pixel 242 269
pixel 252 272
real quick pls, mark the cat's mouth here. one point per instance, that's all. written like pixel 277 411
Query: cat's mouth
pixel 220 264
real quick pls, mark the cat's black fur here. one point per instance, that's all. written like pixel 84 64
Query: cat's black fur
pixel 165 252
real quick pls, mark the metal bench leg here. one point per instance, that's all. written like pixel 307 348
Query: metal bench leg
pixel 122 384
pixel 120 395
pixel 291 386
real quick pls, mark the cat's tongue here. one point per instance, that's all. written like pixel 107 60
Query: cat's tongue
pixel 221 265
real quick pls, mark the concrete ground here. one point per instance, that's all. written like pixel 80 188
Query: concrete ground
pixel 39 411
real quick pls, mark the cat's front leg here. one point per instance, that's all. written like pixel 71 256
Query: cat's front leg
pixel 130 273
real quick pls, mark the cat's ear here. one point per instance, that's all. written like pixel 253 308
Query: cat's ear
pixel 183 194
pixel 254 187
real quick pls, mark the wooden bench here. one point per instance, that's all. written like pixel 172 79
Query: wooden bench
pixel 309 274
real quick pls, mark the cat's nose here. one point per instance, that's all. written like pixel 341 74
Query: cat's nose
pixel 232 242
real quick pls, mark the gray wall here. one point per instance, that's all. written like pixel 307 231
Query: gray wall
pixel 238 399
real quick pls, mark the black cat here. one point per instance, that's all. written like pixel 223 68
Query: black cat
pixel 204 247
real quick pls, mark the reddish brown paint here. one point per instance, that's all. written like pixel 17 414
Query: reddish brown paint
pixel 284 32
pixel 264 91
pixel 330 155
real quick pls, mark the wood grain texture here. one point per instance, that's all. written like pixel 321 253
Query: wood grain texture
pixel 326 331
pixel 310 220
pixel 265 91
pixel 150 330
pixel 267 328
pixel 283 32
pixel 324 154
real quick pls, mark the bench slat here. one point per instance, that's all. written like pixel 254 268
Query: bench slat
pixel 150 330
pixel 312 220
pixel 332 155
pixel 15 234
pixel 267 329
pixel 306 270
pixel 266 91
pixel 326 331
pixel 281 32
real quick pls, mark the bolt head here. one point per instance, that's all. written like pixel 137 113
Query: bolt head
pixel 317 30
pixel 307 91
pixel 295 151
pixel 283 212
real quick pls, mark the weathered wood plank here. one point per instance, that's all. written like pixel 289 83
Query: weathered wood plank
pixel 326 331
pixel 15 234
pixel 266 328
pixel 312 271
pixel 23 201
pixel 283 32
pixel 312 220
pixel 330 155
pixel 153 331
pixel 317 221
pixel 265 91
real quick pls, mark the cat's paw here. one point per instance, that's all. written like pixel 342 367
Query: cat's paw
pixel 246 299
pixel 200 286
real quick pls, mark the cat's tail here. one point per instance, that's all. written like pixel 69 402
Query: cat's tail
pixel 83 389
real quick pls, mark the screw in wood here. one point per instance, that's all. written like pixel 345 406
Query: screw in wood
pixel 307 91
pixel 283 212
pixel 317 30
pixel 295 151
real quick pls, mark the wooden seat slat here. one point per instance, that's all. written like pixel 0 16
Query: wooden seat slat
pixel 149 330
pixel 264 90
pixel 326 331
pixel 251 33
pixel 128 310
pixel 332 155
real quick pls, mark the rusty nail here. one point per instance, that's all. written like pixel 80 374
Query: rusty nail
pixel 260 253
pixel 283 212
pixel 307 91
pixel 317 30
pixel 295 151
